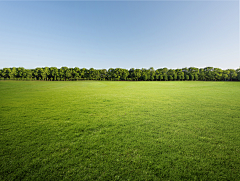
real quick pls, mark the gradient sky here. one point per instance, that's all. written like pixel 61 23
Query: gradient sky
pixel 123 34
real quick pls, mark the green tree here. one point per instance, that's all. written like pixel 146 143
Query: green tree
pixel 82 73
pixel 178 70
pixel 217 73
pixel 193 70
pixel 196 77
pixel 191 77
pixel 202 75
pixel 6 72
pixel 151 73
pixel 238 76
pixel 103 74
pixel 145 76
pixel 62 72
pixel 91 73
pixel 151 77
pixel 180 74
pixel 1 73
pixel 232 74
pixel 137 73
pixel 209 74
pixel 185 70
pixel 68 74
pixel 131 73
pixel 53 72
pixel 171 72
pixel 164 70
pixel 165 77
pixel 13 73
pixel 29 73
pixel 110 74
pixel 238 73
pixel 160 77
pixel 45 73
pixel 175 76
pixel 225 76
pixel 40 73
pixel 179 77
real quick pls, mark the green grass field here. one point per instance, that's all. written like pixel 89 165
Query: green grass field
pixel 96 130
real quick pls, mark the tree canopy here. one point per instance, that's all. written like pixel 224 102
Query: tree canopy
pixel 117 74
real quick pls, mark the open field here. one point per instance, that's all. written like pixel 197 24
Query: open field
pixel 97 130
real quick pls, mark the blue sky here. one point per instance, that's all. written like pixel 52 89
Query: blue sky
pixel 125 34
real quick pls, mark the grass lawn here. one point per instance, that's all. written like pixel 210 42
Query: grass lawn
pixel 103 130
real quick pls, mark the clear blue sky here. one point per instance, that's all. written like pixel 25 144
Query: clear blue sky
pixel 125 34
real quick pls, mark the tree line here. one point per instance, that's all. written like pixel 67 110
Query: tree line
pixel 117 74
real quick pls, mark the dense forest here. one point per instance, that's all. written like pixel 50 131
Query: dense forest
pixel 162 74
